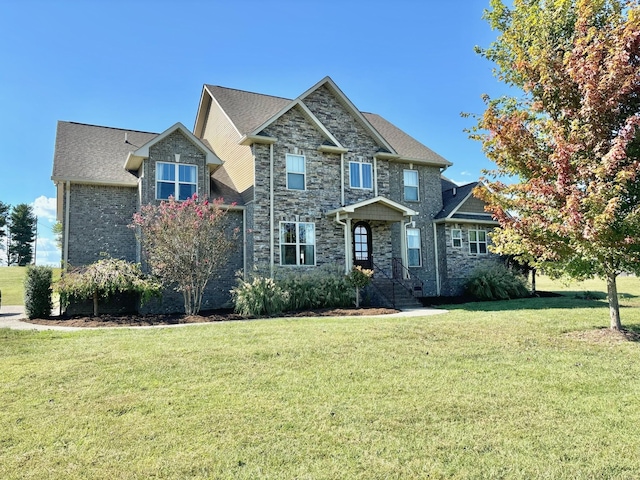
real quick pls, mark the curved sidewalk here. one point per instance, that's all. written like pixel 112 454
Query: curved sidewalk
pixel 11 316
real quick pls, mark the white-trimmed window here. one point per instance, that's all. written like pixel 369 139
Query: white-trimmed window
pixel 456 238
pixel 360 175
pixel 297 243
pixel 411 185
pixel 176 180
pixel 414 252
pixel 477 241
pixel 296 172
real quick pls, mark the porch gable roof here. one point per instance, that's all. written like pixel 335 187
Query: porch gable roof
pixel 377 208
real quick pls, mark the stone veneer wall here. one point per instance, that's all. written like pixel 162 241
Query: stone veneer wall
pixel 460 263
pixel 98 223
pixel 428 206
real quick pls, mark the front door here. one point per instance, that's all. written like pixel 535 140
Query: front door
pixel 362 245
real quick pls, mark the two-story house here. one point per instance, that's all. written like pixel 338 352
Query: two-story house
pixel 311 180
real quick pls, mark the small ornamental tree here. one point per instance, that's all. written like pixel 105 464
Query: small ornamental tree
pixel 566 189
pixel 105 278
pixel 359 278
pixel 184 243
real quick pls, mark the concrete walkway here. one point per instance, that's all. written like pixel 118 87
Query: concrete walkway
pixel 11 316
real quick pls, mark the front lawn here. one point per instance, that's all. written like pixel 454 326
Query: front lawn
pixel 519 389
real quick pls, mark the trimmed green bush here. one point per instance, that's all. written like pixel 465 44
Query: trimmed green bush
pixel 38 291
pixel 496 283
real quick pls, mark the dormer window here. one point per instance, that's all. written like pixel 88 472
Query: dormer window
pixel 296 172
pixel 360 175
pixel 176 180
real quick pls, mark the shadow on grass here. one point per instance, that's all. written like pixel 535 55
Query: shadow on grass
pixel 568 301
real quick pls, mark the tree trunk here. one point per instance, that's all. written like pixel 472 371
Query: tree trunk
pixel 357 297
pixel 533 281
pixel 95 303
pixel 614 306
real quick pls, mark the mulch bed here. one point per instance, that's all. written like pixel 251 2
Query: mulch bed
pixel 203 317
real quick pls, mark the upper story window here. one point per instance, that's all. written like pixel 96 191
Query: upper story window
pixel 456 237
pixel 297 243
pixel 360 175
pixel 176 180
pixel 411 185
pixel 414 252
pixel 296 172
pixel 477 241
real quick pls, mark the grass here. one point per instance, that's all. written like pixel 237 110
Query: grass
pixel 489 390
pixel 11 284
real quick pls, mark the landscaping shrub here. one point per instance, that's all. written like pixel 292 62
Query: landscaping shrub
pixel 260 296
pixel 38 292
pixel 359 278
pixel 496 283
pixel 323 287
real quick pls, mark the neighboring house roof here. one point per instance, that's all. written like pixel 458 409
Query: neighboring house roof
pixel 453 197
pixel 94 154
pixel 249 111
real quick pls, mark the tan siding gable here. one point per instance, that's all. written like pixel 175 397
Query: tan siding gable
pixel 377 212
pixel 472 205
pixel 224 138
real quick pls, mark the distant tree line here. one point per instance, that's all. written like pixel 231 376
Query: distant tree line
pixel 17 233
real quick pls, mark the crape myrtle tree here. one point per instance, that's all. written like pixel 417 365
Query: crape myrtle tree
pixel 22 223
pixel 567 149
pixel 184 243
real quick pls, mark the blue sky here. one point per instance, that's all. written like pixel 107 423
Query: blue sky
pixel 141 64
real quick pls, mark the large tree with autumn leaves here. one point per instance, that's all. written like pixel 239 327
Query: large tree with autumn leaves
pixel 566 187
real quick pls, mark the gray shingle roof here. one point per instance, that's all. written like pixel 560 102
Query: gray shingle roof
pixel 248 110
pixel 94 154
pixel 451 200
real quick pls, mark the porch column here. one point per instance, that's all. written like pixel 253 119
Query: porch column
pixel 403 248
pixel 348 250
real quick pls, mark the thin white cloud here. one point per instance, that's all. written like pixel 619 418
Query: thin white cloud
pixel 465 174
pixel 45 208
pixel 47 252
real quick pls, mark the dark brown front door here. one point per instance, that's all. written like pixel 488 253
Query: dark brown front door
pixel 362 245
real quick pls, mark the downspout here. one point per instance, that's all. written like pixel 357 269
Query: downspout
pixel 348 246
pixel 271 214
pixel 65 253
pixel 244 244
pixel 435 248
pixel 341 181
pixel 375 177
pixel 404 253
pixel 346 243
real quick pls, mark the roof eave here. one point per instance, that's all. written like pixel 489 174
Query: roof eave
pixel 249 140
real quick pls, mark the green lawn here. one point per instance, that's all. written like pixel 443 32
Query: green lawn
pixel 11 284
pixel 489 390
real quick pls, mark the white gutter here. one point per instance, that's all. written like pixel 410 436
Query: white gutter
pixel 435 248
pixel 404 253
pixel 271 214
pixel 65 253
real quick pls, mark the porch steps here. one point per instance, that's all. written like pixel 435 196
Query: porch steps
pixel 395 294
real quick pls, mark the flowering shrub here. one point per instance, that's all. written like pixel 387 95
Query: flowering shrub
pixel 103 279
pixel 184 243
pixel 359 278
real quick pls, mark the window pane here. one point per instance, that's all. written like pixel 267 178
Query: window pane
pixel 473 236
pixel 354 174
pixel 483 248
pixel 482 235
pixel 295 163
pixel 296 181
pixel 288 233
pixel 366 175
pixel 166 171
pixel 187 173
pixel 307 255
pixel 411 193
pixel 411 178
pixel 413 238
pixel 165 190
pixel 473 248
pixel 307 232
pixel 288 254
pixel 186 191
pixel 414 257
